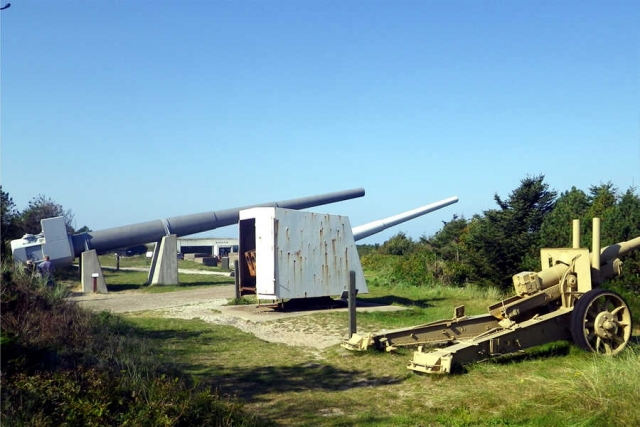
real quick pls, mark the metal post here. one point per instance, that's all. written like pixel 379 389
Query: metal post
pixel 352 303
pixel 95 276
pixel 236 276
pixel 576 234
pixel 595 252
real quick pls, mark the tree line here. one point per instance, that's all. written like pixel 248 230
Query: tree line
pixel 486 249
pixel 489 248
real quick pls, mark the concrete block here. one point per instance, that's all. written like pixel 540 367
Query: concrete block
pixel 164 265
pixel 92 271
pixel 210 261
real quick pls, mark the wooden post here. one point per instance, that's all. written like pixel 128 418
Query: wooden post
pixel 95 276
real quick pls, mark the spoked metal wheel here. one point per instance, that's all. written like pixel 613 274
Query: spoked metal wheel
pixel 601 322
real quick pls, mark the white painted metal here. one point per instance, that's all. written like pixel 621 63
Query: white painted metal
pixel 303 254
pixel 53 241
pixel 366 230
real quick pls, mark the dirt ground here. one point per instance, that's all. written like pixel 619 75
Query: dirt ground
pixel 294 328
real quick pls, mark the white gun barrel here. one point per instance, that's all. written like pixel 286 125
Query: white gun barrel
pixel 366 230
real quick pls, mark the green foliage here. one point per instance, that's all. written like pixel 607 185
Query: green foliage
pixel 91 397
pixel 367 249
pixel 556 229
pixel 447 241
pixel 399 244
pixel 9 225
pixel 416 269
pixel 39 208
pixel 602 199
pixel 242 301
pixel 490 248
pixel 62 365
pixel 622 221
pixel 378 262
pixel 504 241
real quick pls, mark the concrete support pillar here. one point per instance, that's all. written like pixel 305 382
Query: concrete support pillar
pixel 91 272
pixel 164 264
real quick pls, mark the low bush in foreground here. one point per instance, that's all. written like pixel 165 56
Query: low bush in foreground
pixel 62 365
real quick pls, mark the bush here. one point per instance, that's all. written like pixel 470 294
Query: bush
pixel 417 269
pixel 379 263
pixel 62 365
pixel 399 244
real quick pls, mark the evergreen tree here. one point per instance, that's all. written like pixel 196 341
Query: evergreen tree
pixel 446 242
pixel 623 221
pixel 602 199
pixel 556 229
pixel 506 241
pixel 10 228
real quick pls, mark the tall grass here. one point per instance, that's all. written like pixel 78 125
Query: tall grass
pixel 62 365
pixel 607 388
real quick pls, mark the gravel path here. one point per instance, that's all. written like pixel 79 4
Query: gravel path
pixel 133 301
pixel 294 328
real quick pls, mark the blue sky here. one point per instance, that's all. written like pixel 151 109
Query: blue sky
pixel 128 111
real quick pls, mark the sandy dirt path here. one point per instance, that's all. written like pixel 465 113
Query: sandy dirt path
pixel 296 328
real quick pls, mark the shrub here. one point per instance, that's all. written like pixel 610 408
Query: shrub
pixel 62 365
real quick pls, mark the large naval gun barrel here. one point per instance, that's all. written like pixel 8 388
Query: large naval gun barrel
pixel 63 248
pixel 371 228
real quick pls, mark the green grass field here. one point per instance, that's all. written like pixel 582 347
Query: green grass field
pixel 556 384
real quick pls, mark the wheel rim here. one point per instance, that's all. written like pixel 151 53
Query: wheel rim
pixel 606 323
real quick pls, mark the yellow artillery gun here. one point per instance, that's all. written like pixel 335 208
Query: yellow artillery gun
pixel 563 301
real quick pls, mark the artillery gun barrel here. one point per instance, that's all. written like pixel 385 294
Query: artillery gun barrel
pixel 553 275
pixel 152 231
pixel 63 247
pixel 610 264
pixel 612 252
pixel 366 230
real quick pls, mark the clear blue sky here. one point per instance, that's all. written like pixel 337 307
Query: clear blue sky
pixel 128 111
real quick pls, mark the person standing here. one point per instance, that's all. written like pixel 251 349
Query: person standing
pixel 46 269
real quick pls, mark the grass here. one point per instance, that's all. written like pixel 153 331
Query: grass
pixel 141 261
pixel 62 365
pixel 554 384
pixel 127 280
